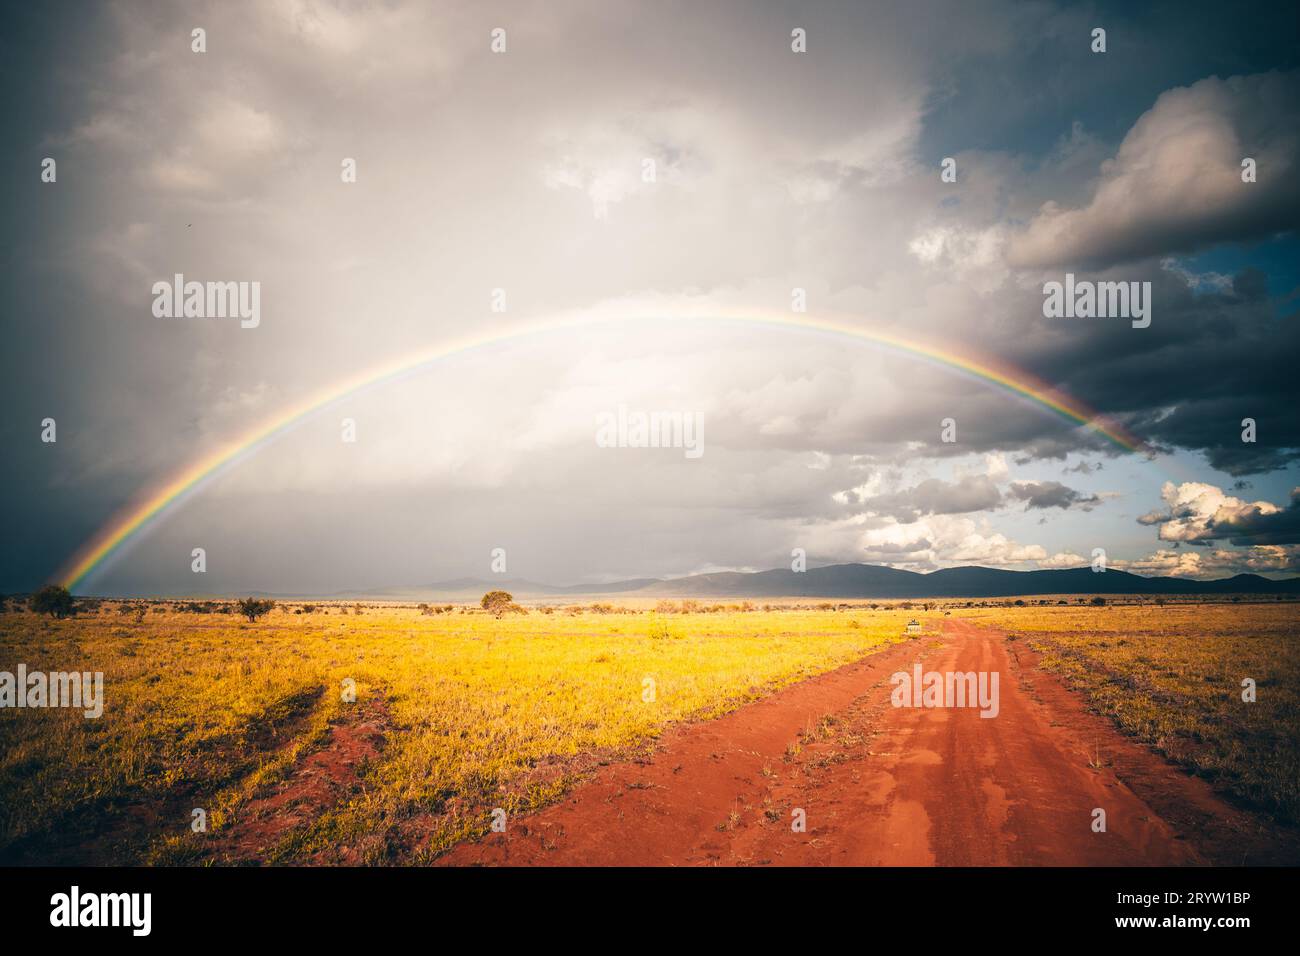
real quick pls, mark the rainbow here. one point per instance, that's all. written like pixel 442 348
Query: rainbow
pixel 144 510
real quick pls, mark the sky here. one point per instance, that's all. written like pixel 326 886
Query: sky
pixel 669 172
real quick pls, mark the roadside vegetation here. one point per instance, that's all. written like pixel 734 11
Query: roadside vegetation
pixel 505 707
pixel 1171 675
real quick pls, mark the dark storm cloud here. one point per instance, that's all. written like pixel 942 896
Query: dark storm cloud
pixel 1213 355
pixel 1176 183
pixel 1256 527
pixel 1051 494
pixel 1208 361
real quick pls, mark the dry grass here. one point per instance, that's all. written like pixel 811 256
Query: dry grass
pixel 206 710
pixel 1172 676
pixel 203 710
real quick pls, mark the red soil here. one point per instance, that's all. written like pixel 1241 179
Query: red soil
pixel 895 786
pixel 319 782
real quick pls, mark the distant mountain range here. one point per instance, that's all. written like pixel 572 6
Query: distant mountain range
pixel 859 581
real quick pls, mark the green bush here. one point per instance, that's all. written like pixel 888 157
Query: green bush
pixel 54 600
pixel 252 608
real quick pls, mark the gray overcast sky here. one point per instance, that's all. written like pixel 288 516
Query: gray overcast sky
pixel 523 170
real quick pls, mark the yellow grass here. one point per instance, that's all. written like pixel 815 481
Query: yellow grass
pixel 205 710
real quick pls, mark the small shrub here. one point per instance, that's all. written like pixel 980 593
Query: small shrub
pixel 252 608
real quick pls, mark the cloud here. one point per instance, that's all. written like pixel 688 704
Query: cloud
pixel 1199 512
pixel 612 161
pixel 1062 560
pixel 1175 184
pixel 936 497
pixel 479 171
pixel 1051 494
pixel 974 255
pixel 1216 563
pixel 1084 468
pixel 942 540
pixel 1256 525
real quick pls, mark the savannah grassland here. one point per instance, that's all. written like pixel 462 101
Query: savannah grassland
pixel 1171 676
pixel 478 712
pixel 207 710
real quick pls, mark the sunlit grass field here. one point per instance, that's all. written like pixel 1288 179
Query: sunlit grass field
pixel 479 712
pixel 1172 676
pixel 207 710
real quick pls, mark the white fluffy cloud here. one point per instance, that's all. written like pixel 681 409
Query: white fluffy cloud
pixel 1216 563
pixel 942 540
pixel 1193 509
pixel 1062 560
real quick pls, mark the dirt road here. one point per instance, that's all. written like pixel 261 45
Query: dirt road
pixel 885 785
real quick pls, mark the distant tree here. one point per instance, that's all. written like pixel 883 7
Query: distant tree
pixel 252 608
pixel 497 602
pixel 54 600
pixel 1099 601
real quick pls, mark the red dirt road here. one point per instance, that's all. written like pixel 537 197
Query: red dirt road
pixel 902 786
